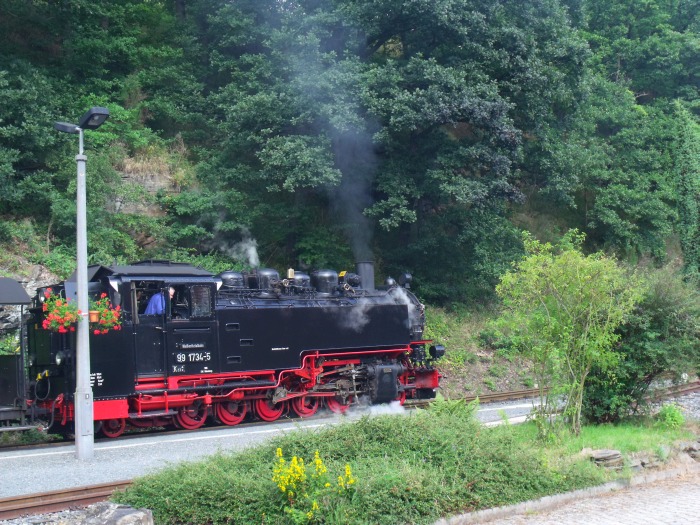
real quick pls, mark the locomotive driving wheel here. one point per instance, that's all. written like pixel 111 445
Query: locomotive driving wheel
pixel 192 416
pixel 338 405
pixel 113 428
pixel 268 411
pixel 231 412
pixel 305 406
pixel 402 398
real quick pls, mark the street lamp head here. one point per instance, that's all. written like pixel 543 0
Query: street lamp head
pixel 93 118
pixel 66 127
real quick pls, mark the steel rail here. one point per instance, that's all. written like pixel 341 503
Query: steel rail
pixel 483 398
pixel 57 500
pixel 675 390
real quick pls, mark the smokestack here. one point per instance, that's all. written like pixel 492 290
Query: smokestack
pixel 365 270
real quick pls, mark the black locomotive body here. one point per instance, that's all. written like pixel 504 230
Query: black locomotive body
pixel 233 345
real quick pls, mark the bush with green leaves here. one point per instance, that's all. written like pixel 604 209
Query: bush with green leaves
pixel 670 416
pixel 414 468
pixel 9 344
pixel 661 338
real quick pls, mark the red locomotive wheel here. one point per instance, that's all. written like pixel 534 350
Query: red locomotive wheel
pixel 267 411
pixel 231 412
pixel 113 428
pixel 335 405
pixel 305 406
pixel 402 398
pixel 191 417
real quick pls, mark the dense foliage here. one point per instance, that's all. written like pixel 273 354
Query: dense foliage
pixel 405 469
pixel 420 134
pixel 659 341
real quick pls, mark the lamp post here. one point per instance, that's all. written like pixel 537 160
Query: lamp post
pixel 84 432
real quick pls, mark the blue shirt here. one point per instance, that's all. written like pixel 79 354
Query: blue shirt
pixel 156 305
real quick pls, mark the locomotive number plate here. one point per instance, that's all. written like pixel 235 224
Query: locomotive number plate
pixel 192 357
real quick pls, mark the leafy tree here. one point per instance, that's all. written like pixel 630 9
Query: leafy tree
pixel 615 169
pixel 564 308
pixel 388 130
pixel 330 131
pixel 613 161
pixel 687 170
pixel 24 144
pixel 651 46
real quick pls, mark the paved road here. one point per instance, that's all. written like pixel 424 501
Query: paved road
pixel 54 468
pixel 671 501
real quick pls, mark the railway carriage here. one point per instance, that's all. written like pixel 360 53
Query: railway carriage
pixel 232 346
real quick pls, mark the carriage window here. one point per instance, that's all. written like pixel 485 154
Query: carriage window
pixel 201 301
pixel 142 292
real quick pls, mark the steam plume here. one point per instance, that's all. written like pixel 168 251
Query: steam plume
pixel 244 250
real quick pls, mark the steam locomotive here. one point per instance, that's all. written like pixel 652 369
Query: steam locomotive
pixel 227 346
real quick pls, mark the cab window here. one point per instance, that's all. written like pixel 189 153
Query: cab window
pixel 201 300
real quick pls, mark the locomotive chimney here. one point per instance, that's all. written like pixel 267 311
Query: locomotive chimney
pixel 365 270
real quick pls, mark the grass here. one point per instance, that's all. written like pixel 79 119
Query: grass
pixel 627 437
pixel 26 437
pixel 411 469
pixel 475 361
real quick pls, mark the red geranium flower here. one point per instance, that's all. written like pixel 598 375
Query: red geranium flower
pixel 60 314
pixel 108 317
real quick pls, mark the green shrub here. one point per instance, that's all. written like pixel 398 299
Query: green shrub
pixel 60 261
pixel 670 416
pixel 9 344
pixel 490 384
pixel 498 370
pixel 439 324
pixel 409 469
pixel 661 337
pixel 528 382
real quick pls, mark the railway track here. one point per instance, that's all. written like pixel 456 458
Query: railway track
pixel 676 390
pixel 57 500
pixel 494 397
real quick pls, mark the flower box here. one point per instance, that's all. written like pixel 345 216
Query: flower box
pixel 103 316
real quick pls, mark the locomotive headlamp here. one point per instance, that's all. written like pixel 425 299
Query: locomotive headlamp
pixel 437 351
pixel 60 357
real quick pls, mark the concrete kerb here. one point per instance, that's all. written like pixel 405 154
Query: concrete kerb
pixel 688 466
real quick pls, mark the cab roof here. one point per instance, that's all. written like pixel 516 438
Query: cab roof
pixel 146 269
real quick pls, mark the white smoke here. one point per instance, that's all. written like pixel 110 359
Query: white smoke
pixel 364 408
pixel 393 408
pixel 244 250
pixel 356 317
pixel 401 297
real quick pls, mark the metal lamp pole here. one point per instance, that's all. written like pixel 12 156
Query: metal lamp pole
pixel 84 430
